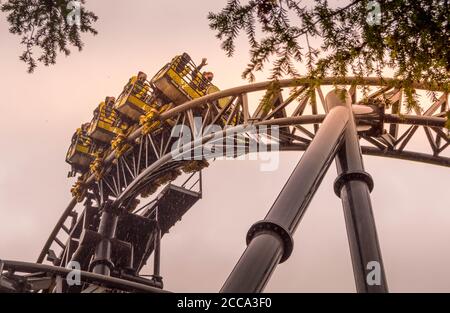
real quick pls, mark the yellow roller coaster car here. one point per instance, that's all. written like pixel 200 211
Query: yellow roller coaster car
pixel 135 98
pixel 180 80
pixel 81 150
pixel 103 125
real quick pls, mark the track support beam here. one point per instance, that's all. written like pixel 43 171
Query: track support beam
pixel 353 186
pixel 157 250
pixel 269 242
pixel 102 263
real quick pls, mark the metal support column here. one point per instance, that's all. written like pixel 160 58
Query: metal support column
pixel 353 186
pixel 269 241
pixel 102 263
pixel 157 250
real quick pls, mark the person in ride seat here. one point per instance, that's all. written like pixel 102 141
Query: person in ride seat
pixel 204 83
pixel 109 105
pixel 197 69
pixel 82 134
pixel 203 63
pixel 197 77
pixel 139 85
pixel 209 76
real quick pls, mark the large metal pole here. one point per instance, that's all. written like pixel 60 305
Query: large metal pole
pixel 353 186
pixel 157 250
pixel 269 241
pixel 102 263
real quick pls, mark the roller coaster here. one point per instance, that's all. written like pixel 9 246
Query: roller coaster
pixel 133 186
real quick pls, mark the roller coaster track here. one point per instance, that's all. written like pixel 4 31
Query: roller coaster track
pixel 299 117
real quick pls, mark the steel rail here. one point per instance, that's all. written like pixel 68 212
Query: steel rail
pixel 27 267
pixel 56 229
pixel 303 120
pixel 294 82
pixel 311 119
pixel 232 130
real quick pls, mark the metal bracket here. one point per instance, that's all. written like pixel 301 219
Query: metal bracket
pixel 265 226
pixel 101 261
pixel 349 176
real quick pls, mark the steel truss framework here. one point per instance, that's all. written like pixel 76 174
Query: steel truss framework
pixel 88 234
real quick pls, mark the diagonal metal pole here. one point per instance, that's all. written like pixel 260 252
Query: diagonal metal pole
pixel 269 242
pixel 353 186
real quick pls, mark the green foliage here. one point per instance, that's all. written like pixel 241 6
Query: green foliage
pixel 413 38
pixel 42 24
pixel 273 90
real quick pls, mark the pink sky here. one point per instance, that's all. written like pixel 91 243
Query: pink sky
pixel 40 112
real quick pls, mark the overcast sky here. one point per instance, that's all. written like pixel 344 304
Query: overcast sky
pixel 40 112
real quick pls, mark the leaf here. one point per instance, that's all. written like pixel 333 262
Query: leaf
pixel 43 26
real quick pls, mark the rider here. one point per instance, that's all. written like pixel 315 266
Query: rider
pixel 209 76
pixel 197 78
pixel 139 85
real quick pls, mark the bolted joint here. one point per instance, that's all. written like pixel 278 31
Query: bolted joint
pixel 158 279
pixel 346 177
pixel 101 261
pixel 265 226
pixel 370 117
